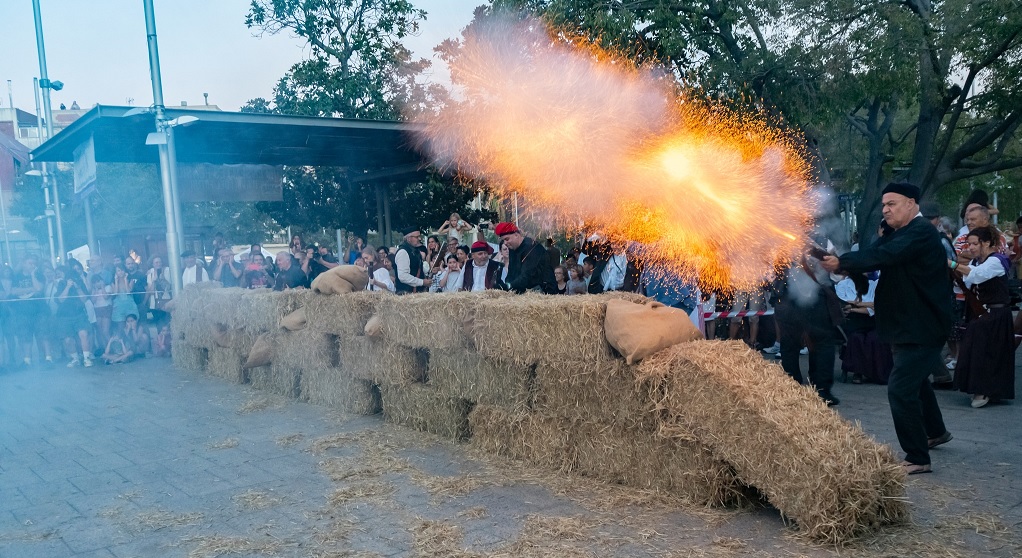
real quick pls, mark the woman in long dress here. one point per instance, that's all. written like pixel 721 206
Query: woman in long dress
pixel 986 356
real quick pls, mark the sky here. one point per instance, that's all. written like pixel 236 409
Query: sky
pixel 98 49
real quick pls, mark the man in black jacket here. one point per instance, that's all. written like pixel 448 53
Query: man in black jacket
pixel 913 304
pixel 528 266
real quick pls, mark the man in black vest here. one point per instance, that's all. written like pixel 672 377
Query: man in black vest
pixel 481 273
pixel 913 304
pixel 528 266
pixel 411 278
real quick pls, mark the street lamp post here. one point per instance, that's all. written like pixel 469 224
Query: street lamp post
pixel 171 210
pixel 46 190
pixel 45 84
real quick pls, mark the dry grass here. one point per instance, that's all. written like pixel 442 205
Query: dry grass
pixel 439 538
pixel 370 465
pixel 156 520
pixel 255 500
pixel 290 440
pixel 835 482
pixel 452 487
pixel 213 546
pixel 370 492
pixel 477 512
pixel 226 443
pixel 260 403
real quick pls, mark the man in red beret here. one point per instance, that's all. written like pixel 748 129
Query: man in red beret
pixel 482 273
pixel 528 266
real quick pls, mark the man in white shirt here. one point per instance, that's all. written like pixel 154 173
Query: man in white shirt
pixel 482 273
pixel 193 271
pixel 411 275
pixel 613 276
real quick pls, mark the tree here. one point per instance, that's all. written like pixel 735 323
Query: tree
pixel 358 69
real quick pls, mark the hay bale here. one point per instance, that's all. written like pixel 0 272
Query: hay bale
pixel 426 321
pixel 257 311
pixel 828 476
pixel 188 357
pixel 238 339
pixel 279 378
pixel 381 361
pixel 607 392
pixel 305 350
pixel 531 328
pixel 333 387
pixel 422 408
pixel 466 375
pixel 613 454
pixel 228 364
pixel 343 315
pixel 290 300
pixel 221 305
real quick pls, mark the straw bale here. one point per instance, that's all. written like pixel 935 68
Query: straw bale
pixel 333 387
pixel 422 408
pixel 604 391
pixel 188 357
pixel 221 305
pixel 257 311
pixel 427 321
pixel 464 374
pixel 822 472
pixel 344 315
pixel 531 328
pixel 279 378
pixel 238 339
pixel 305 350
pixel 227 364
pixel 381 361
pixel 609 453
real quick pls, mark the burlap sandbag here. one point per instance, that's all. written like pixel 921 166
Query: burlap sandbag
pixel 341 279
pixel 374 327
pixel 294 321
pixel 639 330
pixel 261 353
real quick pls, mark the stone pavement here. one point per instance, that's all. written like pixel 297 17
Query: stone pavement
pixel 144 460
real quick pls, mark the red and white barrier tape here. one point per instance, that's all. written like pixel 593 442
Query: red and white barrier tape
pixel 715 315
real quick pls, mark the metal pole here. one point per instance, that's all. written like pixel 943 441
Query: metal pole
pixel 44 79
pixel 3 213
pixel 176 202
pixel 46 190
pixel 166 176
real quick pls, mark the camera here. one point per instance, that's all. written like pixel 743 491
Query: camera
pixel 484 226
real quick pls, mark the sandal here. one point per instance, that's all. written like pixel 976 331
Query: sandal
pixel 939 440
pixel 914 468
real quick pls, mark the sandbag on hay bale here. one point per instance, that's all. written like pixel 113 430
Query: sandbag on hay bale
pixel 531 328
pixel 381 361
pixel 290 300
pixel 262 351
pixel 227 364
pixel 333 387
pixel 294 321
pixel 606 392
pixel 188 357
pixel 639 330
pixel 817 469
pixel 342 279
pixel 464 374
pixel 613 454
pixel 374 327
pixel 426 321
pixel 280 379
pixel 306 350
pixel 344 315
pixel 422 408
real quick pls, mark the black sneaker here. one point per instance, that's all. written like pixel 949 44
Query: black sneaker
pixel 829 398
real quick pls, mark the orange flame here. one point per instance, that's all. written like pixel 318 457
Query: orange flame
pixel 586 136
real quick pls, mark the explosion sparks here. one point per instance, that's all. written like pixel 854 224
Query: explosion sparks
pixel 585 136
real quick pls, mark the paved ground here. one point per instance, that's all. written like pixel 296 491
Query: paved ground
pixel 144 460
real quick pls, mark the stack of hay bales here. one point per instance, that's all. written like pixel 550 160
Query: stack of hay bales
pixel 816 468
pixel 534 378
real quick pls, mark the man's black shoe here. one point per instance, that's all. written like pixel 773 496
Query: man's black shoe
pixel 829 398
